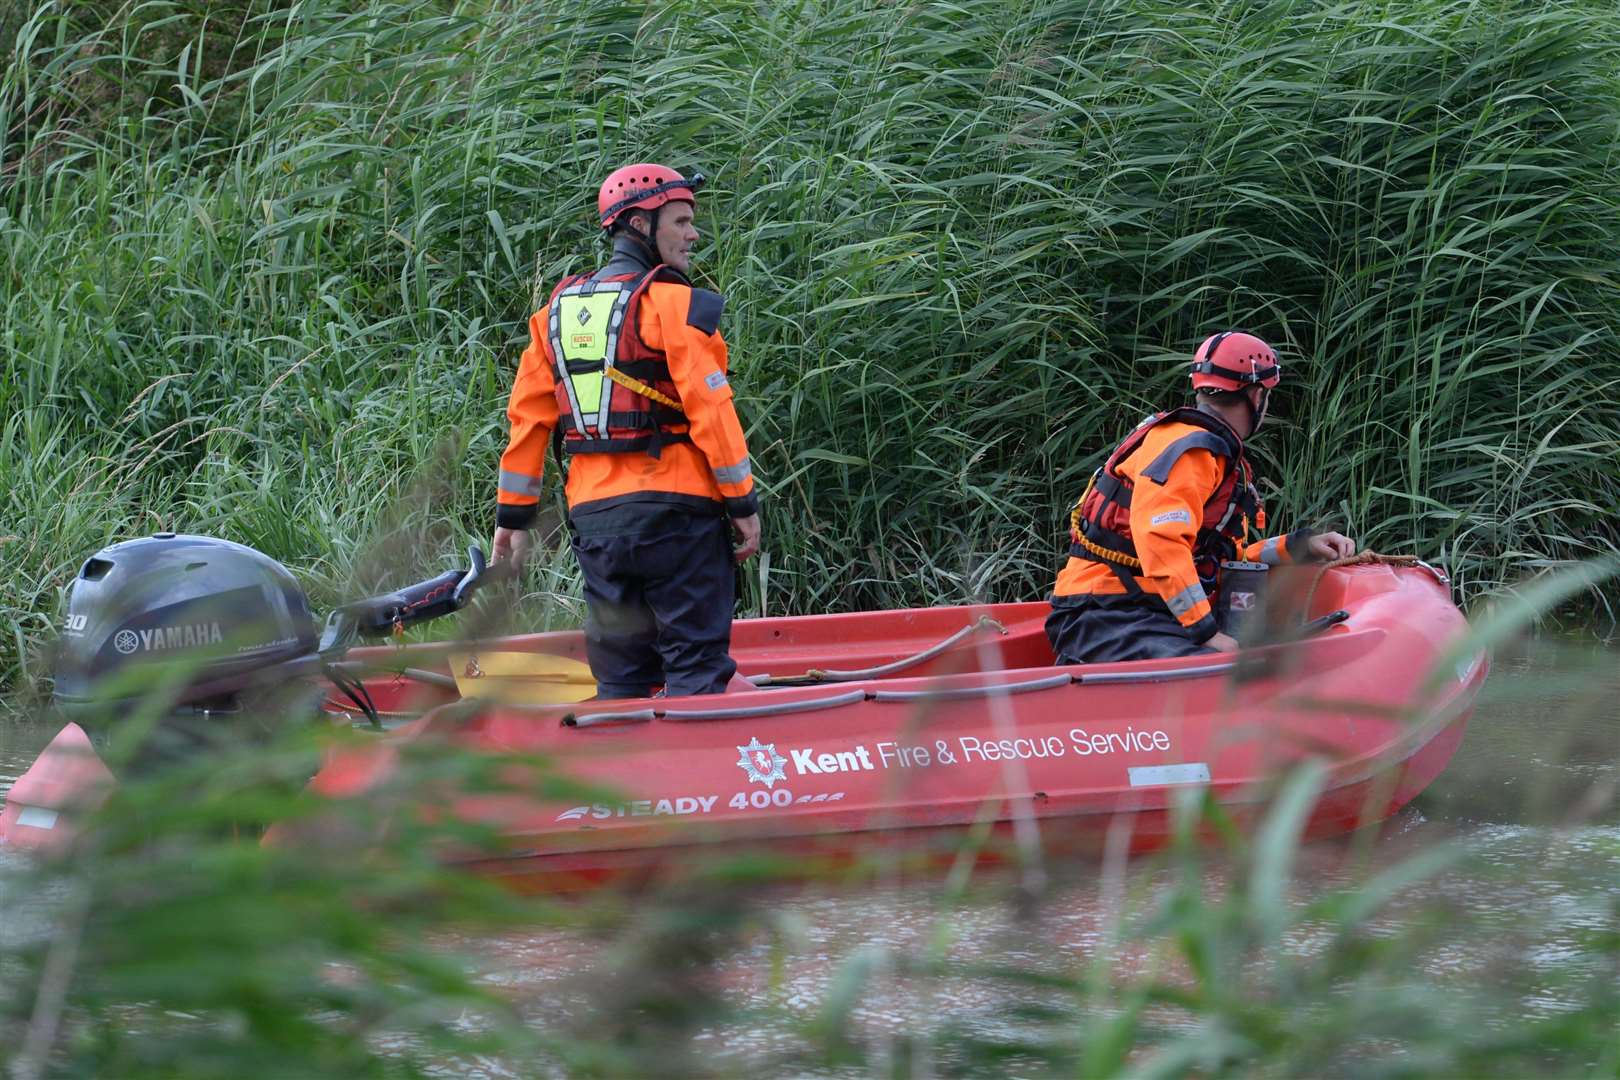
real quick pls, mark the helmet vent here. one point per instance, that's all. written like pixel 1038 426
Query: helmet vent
pixel 95 569
pixel 195 565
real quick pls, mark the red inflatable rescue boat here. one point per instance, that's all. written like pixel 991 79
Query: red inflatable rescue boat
pixel 902 722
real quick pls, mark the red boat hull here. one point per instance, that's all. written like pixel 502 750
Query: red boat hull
pixel 987 732
pixel 66 780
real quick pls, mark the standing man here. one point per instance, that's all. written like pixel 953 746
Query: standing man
pixel 625 374
pixel 1171 502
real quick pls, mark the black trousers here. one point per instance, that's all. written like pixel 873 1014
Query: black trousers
pixel 1105 629
pixel 659 591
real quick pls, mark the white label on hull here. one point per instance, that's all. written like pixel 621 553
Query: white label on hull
pixel 1157 775
pixel 37 817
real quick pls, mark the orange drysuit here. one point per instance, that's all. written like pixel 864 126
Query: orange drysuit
pixel 1176 503
pixel 703 459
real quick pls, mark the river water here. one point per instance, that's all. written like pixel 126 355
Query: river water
pixel 1533 790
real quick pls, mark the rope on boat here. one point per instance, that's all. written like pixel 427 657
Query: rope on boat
pixel 1372 558
pixel 853 697
pixel 820 675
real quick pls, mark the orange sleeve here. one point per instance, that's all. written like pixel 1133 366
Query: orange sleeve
pixel 696 354
pixel 1279 550
pixel 1164 527
pixel 532 410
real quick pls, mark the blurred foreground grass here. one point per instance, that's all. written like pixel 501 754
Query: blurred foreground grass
pixel 1478 937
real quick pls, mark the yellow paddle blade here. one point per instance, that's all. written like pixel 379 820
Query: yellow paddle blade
pixel 521 678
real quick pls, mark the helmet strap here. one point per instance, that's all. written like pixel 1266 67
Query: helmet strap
pixel 649 241
pixel 1257 414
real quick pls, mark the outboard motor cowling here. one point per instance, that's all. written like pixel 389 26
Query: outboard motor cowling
pixel 235 617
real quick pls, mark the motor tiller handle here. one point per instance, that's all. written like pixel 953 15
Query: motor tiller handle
pixel 388 613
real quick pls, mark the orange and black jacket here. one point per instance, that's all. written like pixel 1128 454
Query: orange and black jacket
pixel 636 449
pixel 1173 500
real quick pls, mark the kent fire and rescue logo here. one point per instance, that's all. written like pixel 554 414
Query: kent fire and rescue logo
pixel 761 762
pixel 584 316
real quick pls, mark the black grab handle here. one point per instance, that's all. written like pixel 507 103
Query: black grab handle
pixel 388 612
pixel 1323 622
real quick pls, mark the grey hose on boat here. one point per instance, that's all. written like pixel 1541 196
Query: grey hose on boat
pixel 431 678
pixel 849 697
pixel 819 675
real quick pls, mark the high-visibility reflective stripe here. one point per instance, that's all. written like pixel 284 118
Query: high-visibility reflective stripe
pixel 1187 599
pixel 516 483
pixel 734 474
pixel 597 303
pixel 1271 551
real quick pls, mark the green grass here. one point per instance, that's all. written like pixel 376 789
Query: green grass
pixel 266 270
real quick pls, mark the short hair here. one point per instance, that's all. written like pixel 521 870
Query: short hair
pixel 621 224
pixel 1221 397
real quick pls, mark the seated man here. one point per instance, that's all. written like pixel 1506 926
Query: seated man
pixel 1173 501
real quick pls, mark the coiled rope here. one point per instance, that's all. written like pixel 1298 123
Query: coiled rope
pixel 1364 558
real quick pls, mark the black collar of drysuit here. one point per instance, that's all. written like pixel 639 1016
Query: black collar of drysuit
pixel 631 255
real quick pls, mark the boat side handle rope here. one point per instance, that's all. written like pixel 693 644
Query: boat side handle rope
pixel 820 675
pixel 1102 677
pixel 602 719
pixel 774 708
pixel 1047 683
pixel 848 697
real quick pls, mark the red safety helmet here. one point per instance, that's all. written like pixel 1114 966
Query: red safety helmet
pixel 645 187
pixel 1233 361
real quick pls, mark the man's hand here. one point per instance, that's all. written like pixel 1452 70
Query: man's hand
pixel 1328 546
pixel 511 544
pixel 1222 643
pixel 747 530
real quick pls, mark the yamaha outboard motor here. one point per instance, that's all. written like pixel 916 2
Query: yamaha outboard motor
pixel 219 617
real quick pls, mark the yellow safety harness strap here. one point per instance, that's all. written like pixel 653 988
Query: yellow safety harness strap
pixel 635 385
pixel 1077 534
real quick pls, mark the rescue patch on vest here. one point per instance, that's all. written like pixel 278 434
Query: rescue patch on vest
pixel 716 380
pixel 704 311
pixel 1171 516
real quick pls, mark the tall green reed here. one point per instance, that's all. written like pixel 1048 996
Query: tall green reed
pixel 268 267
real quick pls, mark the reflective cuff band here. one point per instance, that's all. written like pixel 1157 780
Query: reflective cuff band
pixel 516 483
pixel 1187 599
pixel 1271 552
pixel 734 474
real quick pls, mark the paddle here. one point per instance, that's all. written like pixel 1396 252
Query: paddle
pixel 521 678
